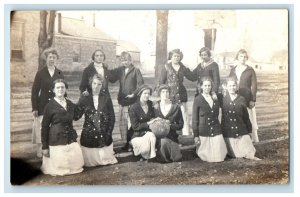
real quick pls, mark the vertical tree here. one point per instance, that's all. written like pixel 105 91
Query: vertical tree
pixel 161 40
pixel 46 33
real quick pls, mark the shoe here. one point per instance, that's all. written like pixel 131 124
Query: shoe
pixel 125 148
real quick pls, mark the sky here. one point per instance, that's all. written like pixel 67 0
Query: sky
pixel 254 30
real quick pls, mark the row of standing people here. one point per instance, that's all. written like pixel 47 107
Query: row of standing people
pixel 130 79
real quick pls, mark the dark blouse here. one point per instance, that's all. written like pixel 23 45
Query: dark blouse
pixel 129 83
pixel 212 71
pixel 248 83
pixel 235 117
pixel 57 124
pixel 175 79
pixel 98 123
pixel 205 119
pixel 42 91
pixel 139 118
pixel 88 73
pixel 175 118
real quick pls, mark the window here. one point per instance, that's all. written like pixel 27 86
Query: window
pixel 17 40
pixel 76 52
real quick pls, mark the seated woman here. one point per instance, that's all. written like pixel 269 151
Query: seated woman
pixel 96 137
pixel 168 150
pixel 141 116
pixel 61 152
pixel 210 144
pixel 236 124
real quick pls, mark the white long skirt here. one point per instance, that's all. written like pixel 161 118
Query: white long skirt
pixel 63 160
pixel 252 117
pixel 240 147
pixel 212 149
pixel 144 146
pixel 186 119
pixel 99 156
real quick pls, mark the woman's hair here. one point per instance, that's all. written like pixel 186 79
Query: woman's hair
pixel 60 81
pixel 199 89
pixel 126 55
pixel 241 51
pixel 230 79
pixel 141 89
pixel 163 87
pixel 178 51
pixel 93 55
pixel 205 49
pixel 96 76
pixel 49 50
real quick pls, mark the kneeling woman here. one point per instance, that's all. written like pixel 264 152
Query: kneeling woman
pixel 61 152
pixel 236 124
pixel 169 150
pixel 141 116
pixel 96 137
pixel 210 144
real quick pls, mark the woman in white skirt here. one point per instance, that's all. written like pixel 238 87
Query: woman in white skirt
pixel 247 87
pixel 236 124
pixel 61 152
pixel 96 136
pixel 210 144
pixel 141 116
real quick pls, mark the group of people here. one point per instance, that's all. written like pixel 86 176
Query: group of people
pixel 150 129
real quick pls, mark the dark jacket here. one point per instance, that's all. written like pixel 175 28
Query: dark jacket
pixel 211 71
pixel 139 119
pixel 129 83
pixel 42 88
pixel 88 73
pixel 235 117
pixel 205 119
pixel 174 79
pixel 175 118
pixel 247 85
pixel 57 124
pixel 98 123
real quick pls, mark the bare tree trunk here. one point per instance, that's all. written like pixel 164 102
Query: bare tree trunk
pixel 161 41
pixel 45 38
pixel 210 38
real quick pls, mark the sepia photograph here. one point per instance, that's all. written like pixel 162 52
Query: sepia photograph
pixel 149 97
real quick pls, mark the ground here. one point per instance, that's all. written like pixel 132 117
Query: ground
pixel 273 149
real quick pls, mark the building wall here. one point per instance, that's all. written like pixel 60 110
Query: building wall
pixel 67 46
pixel 23 71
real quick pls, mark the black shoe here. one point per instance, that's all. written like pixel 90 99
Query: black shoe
pixel 125 148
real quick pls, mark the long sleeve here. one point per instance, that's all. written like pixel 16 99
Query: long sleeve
pixel 194 74
pixel 189 74
pixel 139 80
pixel 247 119
pixel 178 124
pixel 111 117
pixel 216 79
pixel 163 76
pixel 79 109
pixel 253 85
pixel 46 128
pixel 134 119
pixel 84 81
pixel 115 74
pixel 195 118
pixel 36 87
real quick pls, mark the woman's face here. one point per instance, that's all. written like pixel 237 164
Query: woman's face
pixel 175 58
pixel 125 61
pixel 204 56
pixel 96 86
pixel 164 94
pixel 51 59
pixel 242 58
pixel 99 57
pixel 206 87
pixel 145 95
pixel 231 87
pixel 59 89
